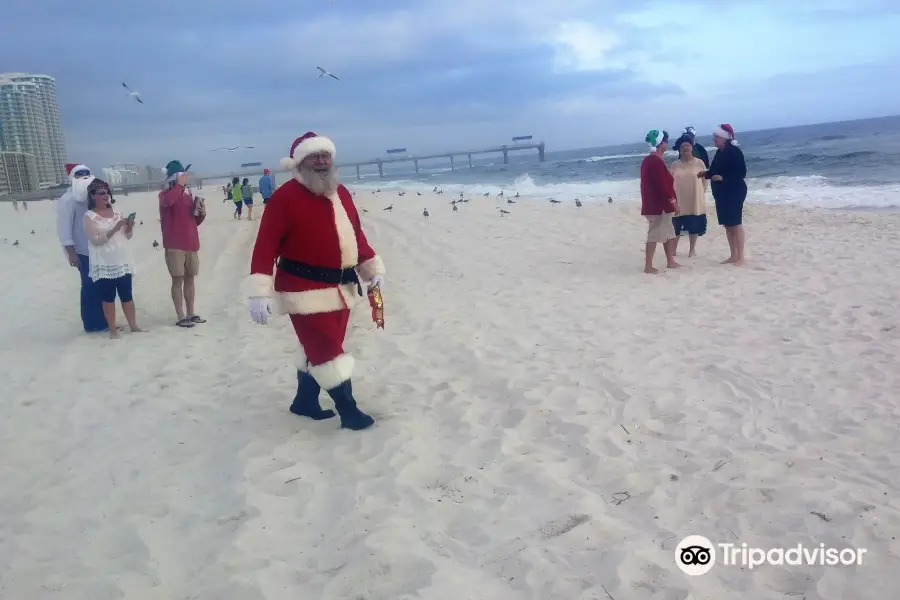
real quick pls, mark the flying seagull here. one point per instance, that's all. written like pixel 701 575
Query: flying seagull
pixel 229 149
pixel 133 94
pixel 323 73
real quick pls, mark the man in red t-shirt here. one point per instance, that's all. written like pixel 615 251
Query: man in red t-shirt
pixel 658 201
pixel 179 216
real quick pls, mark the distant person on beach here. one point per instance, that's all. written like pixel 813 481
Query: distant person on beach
pixel 70 210
pixel 247 195
pixel 266 186
pixel 658 202
pixel 312 228
pixel 15 204
pixel 111 263
pixel 727 173
pixel 236 197
pixel 180 215
pixel 699 151
pixel 690 192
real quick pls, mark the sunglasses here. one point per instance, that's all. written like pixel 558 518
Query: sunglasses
pixel 83 173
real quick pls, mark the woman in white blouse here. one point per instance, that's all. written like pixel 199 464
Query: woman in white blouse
pixel 690 192
pixel 111 265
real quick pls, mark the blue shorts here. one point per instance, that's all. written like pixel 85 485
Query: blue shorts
pixel 108 288
pixel 248 201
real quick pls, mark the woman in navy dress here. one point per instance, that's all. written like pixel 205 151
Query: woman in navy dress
pixel 727 172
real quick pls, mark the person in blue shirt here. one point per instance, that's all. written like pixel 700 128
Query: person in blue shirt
pixel 266 186
pixel 70 210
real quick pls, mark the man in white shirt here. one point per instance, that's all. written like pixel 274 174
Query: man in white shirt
pixel 70 209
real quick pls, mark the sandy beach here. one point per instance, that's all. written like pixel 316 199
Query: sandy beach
pixel 551 422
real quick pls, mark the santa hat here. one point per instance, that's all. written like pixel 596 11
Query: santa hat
pixel 725 131
pixel 265 171
pixel 72 168
pixel 656 137
pixel 306 144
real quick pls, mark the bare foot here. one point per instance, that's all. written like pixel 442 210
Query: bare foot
pixel 739 263
pixel 692 254
pixel 651 270
pixel 114 334
pixel 137 329
pixel 673 265
pixel 729 260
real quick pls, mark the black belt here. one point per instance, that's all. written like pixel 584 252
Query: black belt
pixel 320 274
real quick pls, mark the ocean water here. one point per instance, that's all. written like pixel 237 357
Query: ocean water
pixel 852 164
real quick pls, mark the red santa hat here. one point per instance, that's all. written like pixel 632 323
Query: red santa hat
pixel 306 144
pixel 725 131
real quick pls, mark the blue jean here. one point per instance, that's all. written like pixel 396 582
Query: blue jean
pixel 91 305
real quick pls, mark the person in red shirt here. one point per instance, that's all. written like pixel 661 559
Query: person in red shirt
pixel 658 202
pixel 180 214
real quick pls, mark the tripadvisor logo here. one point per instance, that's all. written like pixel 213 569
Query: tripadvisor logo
pixel 697 555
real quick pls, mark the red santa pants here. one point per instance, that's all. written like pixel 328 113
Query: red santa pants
pixel 322 337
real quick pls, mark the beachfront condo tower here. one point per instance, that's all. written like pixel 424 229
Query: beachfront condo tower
pixel 30 124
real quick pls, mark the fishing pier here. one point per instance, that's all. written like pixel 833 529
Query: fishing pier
pixel 451 156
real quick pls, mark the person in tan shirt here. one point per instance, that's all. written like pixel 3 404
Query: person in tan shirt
pixel 691 194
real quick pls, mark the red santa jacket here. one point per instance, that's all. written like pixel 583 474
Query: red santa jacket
pixel 315 230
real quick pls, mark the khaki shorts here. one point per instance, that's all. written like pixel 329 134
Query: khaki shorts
pixel 661 228
pixel 182 263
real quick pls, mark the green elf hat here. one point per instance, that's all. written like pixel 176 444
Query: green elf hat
pixel 656 137
pixel 174 169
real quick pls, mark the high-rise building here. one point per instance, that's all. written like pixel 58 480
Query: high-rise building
pixel 30 123
pixel 18 173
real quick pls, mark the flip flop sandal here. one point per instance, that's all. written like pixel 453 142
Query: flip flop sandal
pixel 184 323
pixel 196 319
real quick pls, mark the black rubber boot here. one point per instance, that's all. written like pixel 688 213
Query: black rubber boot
pixel 306 402
pixel 351 416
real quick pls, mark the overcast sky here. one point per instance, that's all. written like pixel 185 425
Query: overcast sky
pixel 443 74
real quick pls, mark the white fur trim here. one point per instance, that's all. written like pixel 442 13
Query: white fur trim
pixel 259 286
pixel 345 232
pixel 370 268
pixel 718 131
pixel 333 373
pixel 301 361
pixel 307 147
pixel 317 301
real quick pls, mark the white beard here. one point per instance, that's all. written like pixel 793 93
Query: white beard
pixel 320 185
pixel 80 188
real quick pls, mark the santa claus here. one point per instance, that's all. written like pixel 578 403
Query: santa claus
pixel 312 229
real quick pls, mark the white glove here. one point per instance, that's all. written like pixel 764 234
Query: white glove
pixel 260 309
pixel 376 282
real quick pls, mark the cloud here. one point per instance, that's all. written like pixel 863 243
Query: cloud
pixel 432 74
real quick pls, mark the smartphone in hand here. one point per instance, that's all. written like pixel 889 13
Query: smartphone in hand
pixel 132 216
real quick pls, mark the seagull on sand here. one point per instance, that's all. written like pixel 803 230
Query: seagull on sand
pixel 425 213
pixel 389 208
pixel 230 149
pixel 510 201
pixel 132 94
pixel 323 73
pixel 155 244
pixel 455 207
pixel 554 201
pixel 577 202
pixel 503 213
